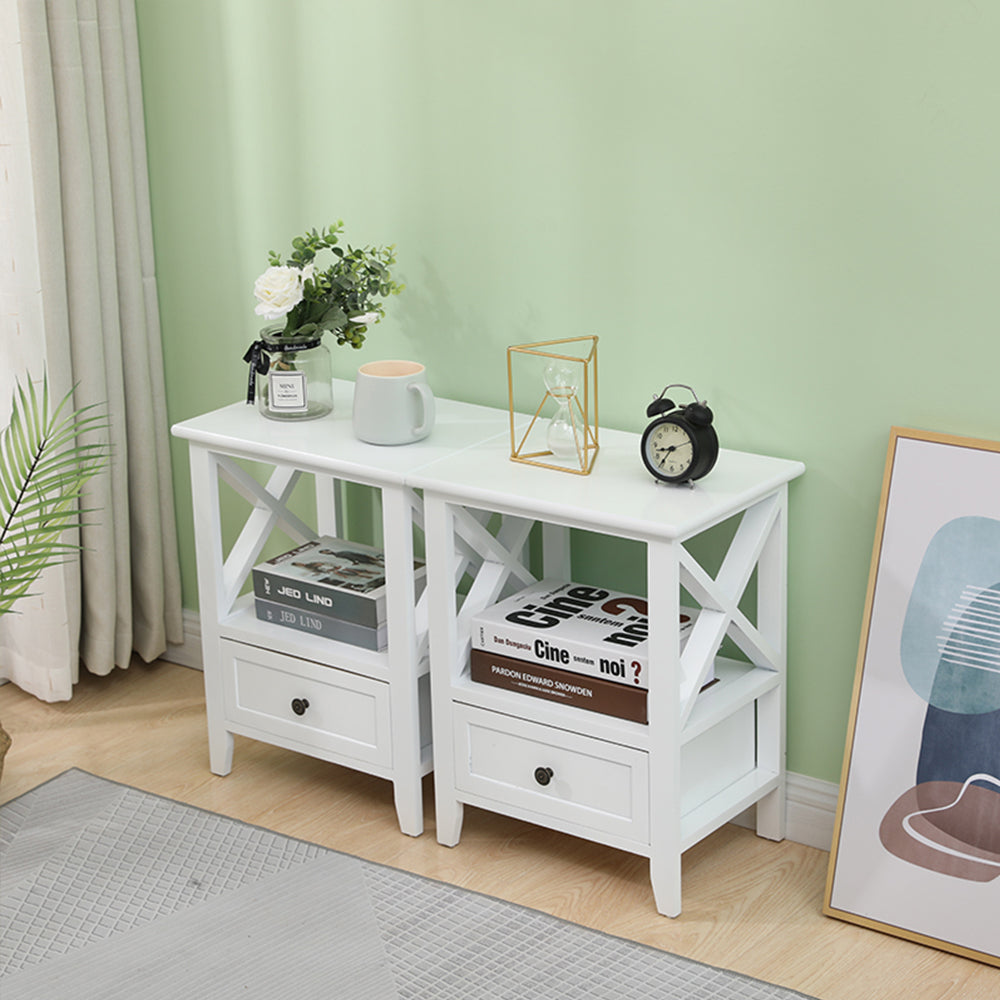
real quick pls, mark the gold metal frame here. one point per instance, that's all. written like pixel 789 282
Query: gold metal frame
pixel 861 756
pixel 587 452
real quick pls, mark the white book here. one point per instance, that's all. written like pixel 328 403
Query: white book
pixel 575 627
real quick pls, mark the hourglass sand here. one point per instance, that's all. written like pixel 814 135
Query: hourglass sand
pixel 563 435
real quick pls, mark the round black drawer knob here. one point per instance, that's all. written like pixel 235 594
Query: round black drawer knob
pixel 299 706
pixel 543 775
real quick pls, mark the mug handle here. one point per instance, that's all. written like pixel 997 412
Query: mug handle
pixel 427 400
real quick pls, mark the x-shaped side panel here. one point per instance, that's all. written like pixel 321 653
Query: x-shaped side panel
pixel 494 561
pixel 719 600
pixel 270 510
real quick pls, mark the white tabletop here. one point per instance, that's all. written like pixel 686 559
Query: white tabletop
pixel 328 444
pixel 466 458
pixel 618 495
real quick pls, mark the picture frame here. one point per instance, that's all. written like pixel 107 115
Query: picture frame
pixel 916 848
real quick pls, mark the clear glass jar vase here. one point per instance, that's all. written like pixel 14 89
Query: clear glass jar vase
pixel 294 378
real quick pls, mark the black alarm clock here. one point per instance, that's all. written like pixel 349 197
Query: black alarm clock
pixel 680 445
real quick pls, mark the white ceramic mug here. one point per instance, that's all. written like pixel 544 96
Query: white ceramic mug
pixel 393 403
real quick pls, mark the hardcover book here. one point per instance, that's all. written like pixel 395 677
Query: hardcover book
pixel 579 629
pixel 562 686
pixel 330 577
pixel 323 625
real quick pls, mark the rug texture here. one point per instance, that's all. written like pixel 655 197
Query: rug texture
pixel 111 892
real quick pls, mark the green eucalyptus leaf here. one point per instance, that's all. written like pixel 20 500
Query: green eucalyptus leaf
pixel 354 283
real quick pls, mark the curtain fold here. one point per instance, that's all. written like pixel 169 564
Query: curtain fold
pixel 100 328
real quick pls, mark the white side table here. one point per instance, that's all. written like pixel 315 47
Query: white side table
pixel 654 789
pixel 361 709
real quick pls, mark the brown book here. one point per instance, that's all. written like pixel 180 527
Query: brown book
pixel 563 686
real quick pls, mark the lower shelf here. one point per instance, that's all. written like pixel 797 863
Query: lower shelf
pixel 243 626
pixel 726 804
pixel 738 684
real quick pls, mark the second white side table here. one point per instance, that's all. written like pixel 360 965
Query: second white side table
pixel 654 789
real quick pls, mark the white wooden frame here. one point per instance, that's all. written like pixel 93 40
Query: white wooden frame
pixel 622 501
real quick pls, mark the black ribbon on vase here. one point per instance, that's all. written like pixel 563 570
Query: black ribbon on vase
pixel 260 361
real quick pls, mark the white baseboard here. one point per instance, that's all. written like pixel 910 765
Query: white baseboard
pixel 187 653
pixel 810 811
pixel 811 804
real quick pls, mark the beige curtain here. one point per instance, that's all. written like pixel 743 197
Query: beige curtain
pixel 92 318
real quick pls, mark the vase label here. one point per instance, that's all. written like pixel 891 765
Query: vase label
pixel 286 392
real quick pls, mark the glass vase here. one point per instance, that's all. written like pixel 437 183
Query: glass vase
pixel 298 381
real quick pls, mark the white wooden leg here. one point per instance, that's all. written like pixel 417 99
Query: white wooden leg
pixel 409 804
pixel 439 529
pixel 771 755
pixel 663 582
pixel 449 814
pixel 220 740
pixel 771 815
pixel 665 876
pixel 397 532
pixel 220 750
pixel 208 539
pixel 772 591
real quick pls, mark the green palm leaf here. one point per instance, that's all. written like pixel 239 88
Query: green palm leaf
pixel 43 470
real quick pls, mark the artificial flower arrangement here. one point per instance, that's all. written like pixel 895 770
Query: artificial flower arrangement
pixel 302 303
pixel 344 299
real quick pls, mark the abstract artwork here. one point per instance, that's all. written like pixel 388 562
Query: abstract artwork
pixel 916 848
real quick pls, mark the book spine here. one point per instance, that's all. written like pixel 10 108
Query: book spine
pixel 322 625
pixel 563 686
pixel 317 599
pixel 563 653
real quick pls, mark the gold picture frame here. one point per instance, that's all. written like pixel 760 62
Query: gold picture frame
pixel 580 404
pixel 915 852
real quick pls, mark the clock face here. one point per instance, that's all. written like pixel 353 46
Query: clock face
pixel 668 450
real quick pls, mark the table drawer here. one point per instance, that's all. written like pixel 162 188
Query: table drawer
pixel 593 784
pixel 324 708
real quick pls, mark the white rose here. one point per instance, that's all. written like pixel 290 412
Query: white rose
pixel 365 318
pixel 278 291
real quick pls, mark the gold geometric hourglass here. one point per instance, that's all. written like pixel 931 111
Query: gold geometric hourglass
pixel 571 433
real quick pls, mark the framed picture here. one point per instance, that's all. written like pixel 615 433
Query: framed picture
pixel 916 849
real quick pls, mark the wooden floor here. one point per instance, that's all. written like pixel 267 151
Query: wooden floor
pixel 749 904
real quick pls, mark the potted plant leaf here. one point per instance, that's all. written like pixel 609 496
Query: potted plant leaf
pixel 43 468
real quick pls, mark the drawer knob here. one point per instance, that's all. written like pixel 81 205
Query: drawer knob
pixel 543 775
pixel 299 705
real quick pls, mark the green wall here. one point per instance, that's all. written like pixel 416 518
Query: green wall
pixel 793 206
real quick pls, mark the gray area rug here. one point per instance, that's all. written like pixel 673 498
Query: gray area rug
pixel 110 892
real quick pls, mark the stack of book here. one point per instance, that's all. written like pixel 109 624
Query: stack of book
pixel 329 587
pixel 567 642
